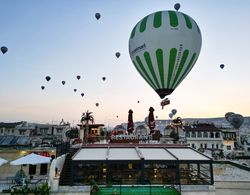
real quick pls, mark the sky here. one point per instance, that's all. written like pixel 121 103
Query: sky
pixel 63 39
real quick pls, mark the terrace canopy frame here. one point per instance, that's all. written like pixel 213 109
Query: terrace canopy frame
pixel 141 165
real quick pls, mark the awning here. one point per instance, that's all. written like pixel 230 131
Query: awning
pixel 2 161
pixel 31 159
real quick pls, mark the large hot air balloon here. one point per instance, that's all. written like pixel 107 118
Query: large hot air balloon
pixel 236 120
pixel 47 78
pixel 97 16
pixel 78 77
pixel 222 66
pixel 4 49
pixel 164 47
pixel 174 111
pixel 63 82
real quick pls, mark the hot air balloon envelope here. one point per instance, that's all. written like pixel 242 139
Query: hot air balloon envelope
pixel 75 90
pixel 97 104
pixel 4 49
pixel 63 82
pixel 42 87
pixel 78 77
pixel 103 78
pixel 170 115
pixel 47 78
pixel 97 16
pixel 228 114
pixel 222 66
pixel 174 111
pixel 236 120
pixel 164 47
pixel 82 94
pixel 177 6
pixel 117 54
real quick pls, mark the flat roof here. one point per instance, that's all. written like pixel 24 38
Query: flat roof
pixel 138 153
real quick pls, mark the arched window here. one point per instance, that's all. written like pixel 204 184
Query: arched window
pixel 211 134
pixel 199 134
pixel 187 134
pixel 193 134
pixel 205 134
pixel 217 134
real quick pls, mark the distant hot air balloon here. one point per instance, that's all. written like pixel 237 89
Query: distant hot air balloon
pixel 138 101
pixel 97 16
pixel 228 114
pixel 4 49
pixel 63 82
pixel 177 6
pixel 174 111
pixel 47 78
pixel 117 54
pixel 117 116
pixel 78 77
pixel 75 90
pixel 156 116
pixel 222 66
pixel 236 120
pixel 97 104
pixel 170 115
pixel 42 87
pixel 103 78
pixel 82 94
pixel 164 47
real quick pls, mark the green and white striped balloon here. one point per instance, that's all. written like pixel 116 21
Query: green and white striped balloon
pixel 164 47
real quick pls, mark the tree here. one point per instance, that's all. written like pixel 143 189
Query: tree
pixel 86 118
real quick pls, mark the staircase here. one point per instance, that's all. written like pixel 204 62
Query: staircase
pixel 66 173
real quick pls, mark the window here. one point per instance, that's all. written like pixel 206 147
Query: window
pixel 201 145
pixel 212 145
pixel 205 145
pixel 193 134
pixel 217 135
pixel 1 131
pixel 12 131
pixel 199 134
pixel 187 134
pixel 193 146
pixel 211 134
pixel 205 134
pixel 59 130
pixel 217 146
pixel 228 147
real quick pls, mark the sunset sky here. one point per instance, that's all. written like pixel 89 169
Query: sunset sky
pixel 63 39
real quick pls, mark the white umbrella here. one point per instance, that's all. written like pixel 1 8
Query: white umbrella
pixel 31 159
pixel 2 161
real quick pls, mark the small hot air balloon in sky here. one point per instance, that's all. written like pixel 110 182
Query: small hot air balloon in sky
pixel 103 78
pixel 42 87
pixel 63 82
pixel 165 102
pixel 156 116
pixel 78 77
pixel 174 111
pixel 47 78
pixel 164 47
pixel 177 6
pixel 170 115
pixel 222 66
pixel 75 90
pixel 138 101
pixel 117 116
pixel 117 54
pixel 82 94
pixel 97 104
pixel 97 16
pixel 4 49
